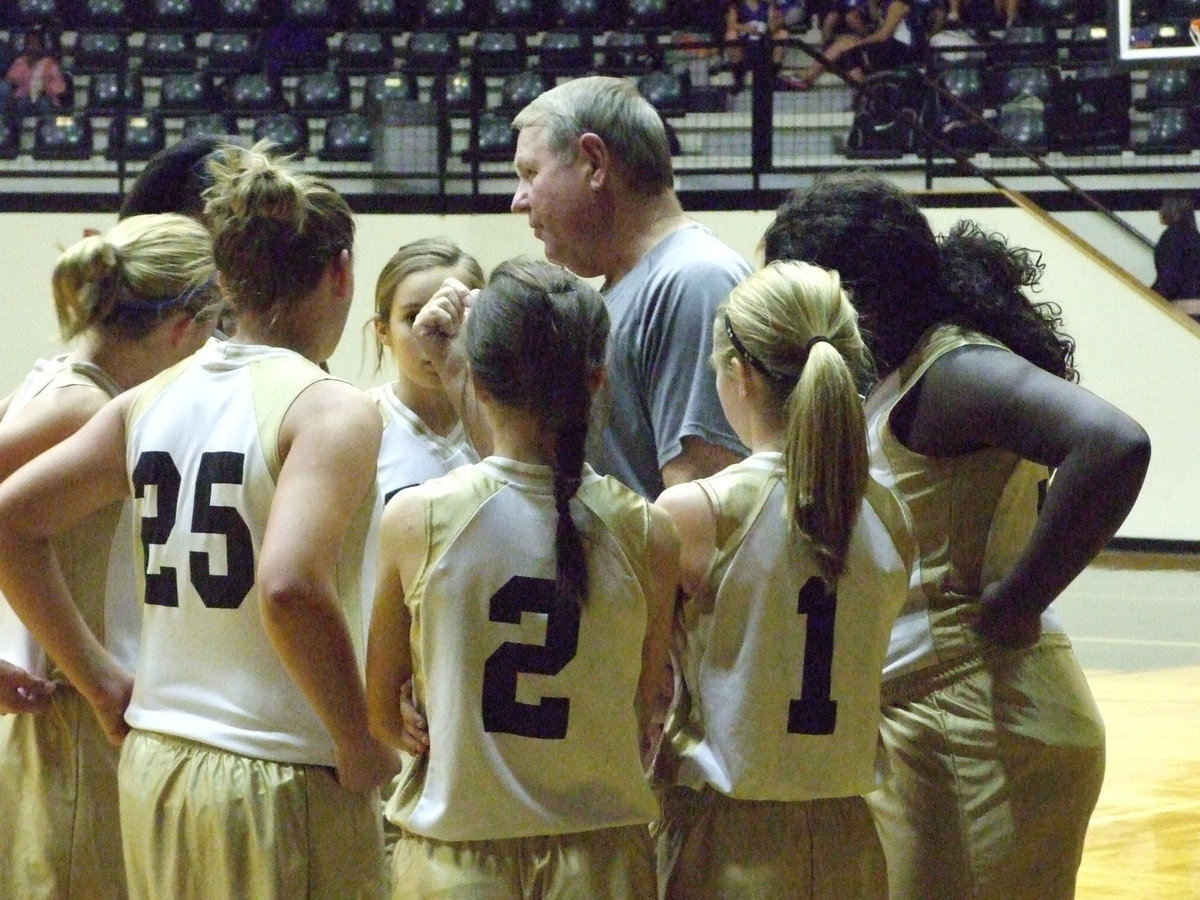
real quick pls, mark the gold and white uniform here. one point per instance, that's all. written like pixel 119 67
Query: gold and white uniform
pixel 58 772
pixel 227 786
pixel 779 700
pixel 997 756
pixel 530 702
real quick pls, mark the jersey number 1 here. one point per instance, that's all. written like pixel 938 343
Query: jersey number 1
pixel 815 712
pixel 502 711
pixel 155 467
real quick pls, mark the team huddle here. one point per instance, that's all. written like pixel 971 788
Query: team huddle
pixel 616 593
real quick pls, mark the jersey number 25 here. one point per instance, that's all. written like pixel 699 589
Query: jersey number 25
pixel 155 467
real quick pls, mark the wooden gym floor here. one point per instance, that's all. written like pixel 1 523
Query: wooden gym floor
pixel 1135 622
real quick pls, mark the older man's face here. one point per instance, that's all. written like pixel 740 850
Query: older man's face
pixel 556 195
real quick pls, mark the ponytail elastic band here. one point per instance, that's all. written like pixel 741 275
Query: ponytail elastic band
pixel 816 339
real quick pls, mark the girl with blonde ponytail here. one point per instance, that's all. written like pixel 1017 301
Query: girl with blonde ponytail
pixel 794 564
pixel 132 301
pixel 529 601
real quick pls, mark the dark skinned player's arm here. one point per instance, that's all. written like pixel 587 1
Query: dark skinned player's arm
pixel 980 397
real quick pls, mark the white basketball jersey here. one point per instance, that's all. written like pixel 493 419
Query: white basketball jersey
pixel 96 556
pixel 411 452
pixel 203 457
pixel 530 702
pixel 781 672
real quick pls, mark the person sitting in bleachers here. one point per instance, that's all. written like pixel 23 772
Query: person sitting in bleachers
pixel 35 78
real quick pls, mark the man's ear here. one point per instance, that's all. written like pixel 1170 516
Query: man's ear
pixel 594 152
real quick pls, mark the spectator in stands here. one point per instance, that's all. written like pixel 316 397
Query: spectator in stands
pixel 889 44
pixel 851 17
pixel 1177 253
pixel 36 79
pixel 980 14
pixel 749 26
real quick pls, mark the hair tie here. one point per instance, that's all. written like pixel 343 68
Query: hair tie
pixel 816 339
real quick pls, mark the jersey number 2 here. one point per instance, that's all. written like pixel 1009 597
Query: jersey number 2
pixel 155 467
pixel 502 711
pixel 815 712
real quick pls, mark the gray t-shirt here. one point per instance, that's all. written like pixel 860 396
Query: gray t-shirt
pixel 661 387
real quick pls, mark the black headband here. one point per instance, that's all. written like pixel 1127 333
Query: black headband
pixel 759 364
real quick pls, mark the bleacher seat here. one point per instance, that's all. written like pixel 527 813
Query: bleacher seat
pixel 322 94
pixel 520 89
pixel 99 51
pixel 380 90
pixel 45 13
pixel 217 124
pixel 365 51
pixel 324 14
pixel 230 52
pixel 348 137
pixel 966 84
pixel 666 91
pixel 109 14
pixel 499 51
pixel 629 53
pixel 379 14
pixel 1170 130
pixel 111 92
pixel 1022 131
pixel 514 14
pixel 443 13
pixel 241 13
pixel 430 53
pixel 183 93
pixel 169 51
pixel 135 136
pixel 493 139
pixel 171 13
pixel 565 52
pixel 648 13
pixel 288 130
pixel 588 14
pixel 1025 81
pixel 254 92
pixel 1169 87
pixel 59 137
pixel 458 92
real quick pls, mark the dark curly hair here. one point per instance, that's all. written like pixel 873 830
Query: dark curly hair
pixel 982 289
pixel 904 281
